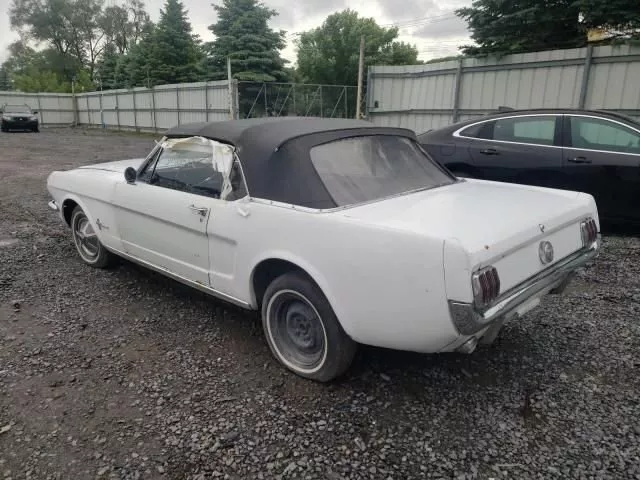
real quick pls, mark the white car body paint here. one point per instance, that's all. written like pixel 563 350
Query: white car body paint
pixel 388 268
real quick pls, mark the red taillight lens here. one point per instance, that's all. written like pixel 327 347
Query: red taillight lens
pixel 486 286
pixel 589 231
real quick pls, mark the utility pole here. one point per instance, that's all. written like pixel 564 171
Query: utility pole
pixel 360 73
pixel 230 88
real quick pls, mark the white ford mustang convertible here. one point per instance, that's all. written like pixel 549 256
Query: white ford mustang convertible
pixel 338 231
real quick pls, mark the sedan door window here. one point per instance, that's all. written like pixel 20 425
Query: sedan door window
pixel 537 130
pixel 598 134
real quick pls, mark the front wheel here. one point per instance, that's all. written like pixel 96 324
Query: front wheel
pixel 302 330
pixel 91 251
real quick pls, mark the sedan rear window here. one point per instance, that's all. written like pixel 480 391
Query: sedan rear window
pixel 16 109
pixel 367 168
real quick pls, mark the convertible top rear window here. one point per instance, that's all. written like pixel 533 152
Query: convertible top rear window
pixel 366 168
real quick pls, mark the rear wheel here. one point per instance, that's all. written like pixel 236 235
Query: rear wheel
pixel 36 129
pixel 302 330
pixel 91 251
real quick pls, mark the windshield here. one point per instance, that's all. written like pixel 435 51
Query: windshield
pixel 16 109
pixel 362 169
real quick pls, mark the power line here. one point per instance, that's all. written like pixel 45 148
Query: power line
pixel 421 21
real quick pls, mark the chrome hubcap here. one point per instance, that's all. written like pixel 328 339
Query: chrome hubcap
pixel 86 238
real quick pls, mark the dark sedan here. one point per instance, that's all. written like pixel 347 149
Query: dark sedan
pixel 589 151
pixel 19 117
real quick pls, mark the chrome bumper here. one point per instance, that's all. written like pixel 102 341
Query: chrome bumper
pixel 53 206
pixel 469 320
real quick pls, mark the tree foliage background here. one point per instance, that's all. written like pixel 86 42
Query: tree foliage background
pixel 517 26
pixel 92 45
pixel 330 53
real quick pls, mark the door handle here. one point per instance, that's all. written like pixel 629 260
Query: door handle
pixel 489 151
pixel 199 210
pixel 578 160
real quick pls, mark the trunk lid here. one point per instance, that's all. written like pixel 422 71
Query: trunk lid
pixel 495 223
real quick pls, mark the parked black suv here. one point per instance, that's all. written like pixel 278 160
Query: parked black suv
pixel 19 117
pixel 591 151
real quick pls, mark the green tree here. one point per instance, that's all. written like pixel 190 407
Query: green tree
pixel 173 55
pixel 112 68
pixel 124 24
pixel 329 54
pixel 504 26
pixel 75 33
pixel 136 62
pixel 5 79
pixel 243 34
pixel 620 17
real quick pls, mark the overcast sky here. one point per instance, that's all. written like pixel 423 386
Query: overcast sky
pixel 429 24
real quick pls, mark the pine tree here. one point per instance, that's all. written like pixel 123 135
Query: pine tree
pixel 243 34
pixel 174 52
pixel 136 64
pixel 108 68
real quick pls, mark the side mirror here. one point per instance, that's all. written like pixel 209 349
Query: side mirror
pixel 130 175
pixel 35 112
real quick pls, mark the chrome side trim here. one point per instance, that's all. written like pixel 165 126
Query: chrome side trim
pixel 469 320
pixel 199 286
pixel 53 206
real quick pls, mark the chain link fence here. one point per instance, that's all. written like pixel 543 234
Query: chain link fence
pixel 257 99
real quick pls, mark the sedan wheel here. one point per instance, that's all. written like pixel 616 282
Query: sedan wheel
pixel 302 330
pixel 91 251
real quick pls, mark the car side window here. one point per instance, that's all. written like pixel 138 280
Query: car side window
pixel 479 130
pixel 539 130
pixel 598 134
pixel 196 165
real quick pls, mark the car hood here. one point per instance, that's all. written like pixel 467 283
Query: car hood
pixel 116 166
pixel 484 217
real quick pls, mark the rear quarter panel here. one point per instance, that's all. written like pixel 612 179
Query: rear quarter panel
pixel 386 286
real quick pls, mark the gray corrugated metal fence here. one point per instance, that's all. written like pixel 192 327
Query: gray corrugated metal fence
pixel 55 109
pixel 428 96
pixel 142 109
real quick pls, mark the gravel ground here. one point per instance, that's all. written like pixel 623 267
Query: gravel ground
pixel 126 374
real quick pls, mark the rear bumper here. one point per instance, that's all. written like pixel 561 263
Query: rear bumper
pixel 468 320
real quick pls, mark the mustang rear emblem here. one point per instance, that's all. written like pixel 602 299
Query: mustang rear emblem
pixel 545 252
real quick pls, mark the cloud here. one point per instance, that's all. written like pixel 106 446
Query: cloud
pixel 407 10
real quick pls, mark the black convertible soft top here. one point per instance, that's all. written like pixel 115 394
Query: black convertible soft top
pixel 274 152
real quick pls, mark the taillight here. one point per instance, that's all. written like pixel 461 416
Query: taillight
pixel 486 286
pixel 589 231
